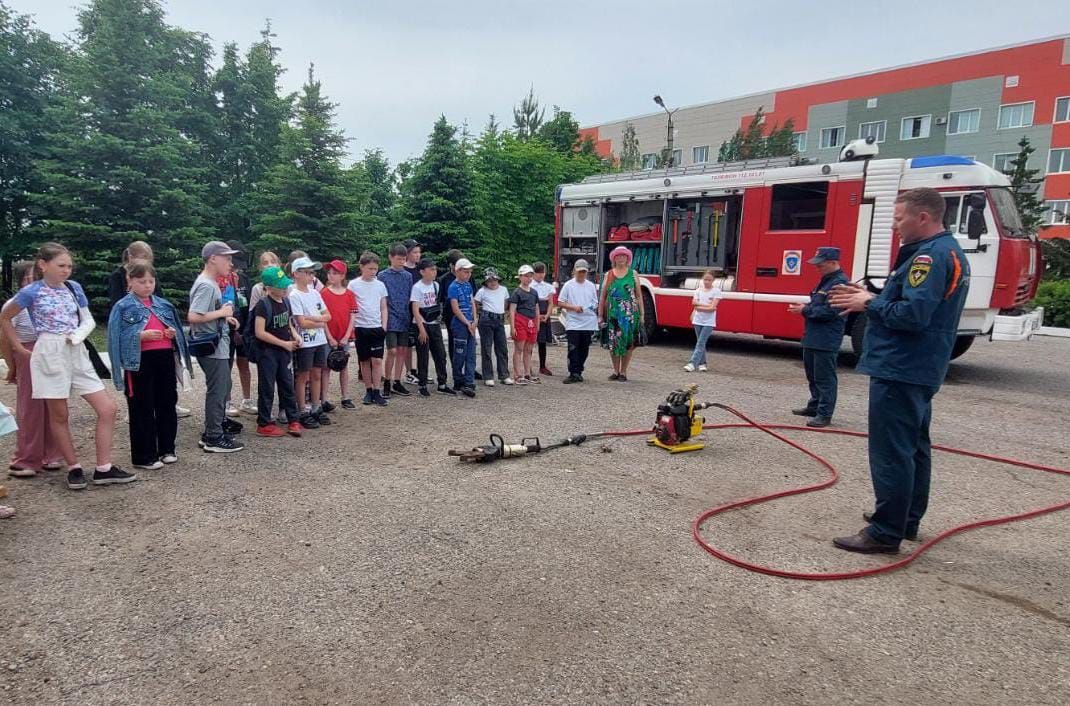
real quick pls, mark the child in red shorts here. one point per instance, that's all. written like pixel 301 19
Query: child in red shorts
pixel 524 320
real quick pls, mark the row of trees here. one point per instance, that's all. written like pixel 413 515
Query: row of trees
pixel 130 131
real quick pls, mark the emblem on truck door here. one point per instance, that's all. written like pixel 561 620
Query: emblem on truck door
pixel 792 262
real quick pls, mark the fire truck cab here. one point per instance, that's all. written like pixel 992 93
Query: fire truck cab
pixel 756 223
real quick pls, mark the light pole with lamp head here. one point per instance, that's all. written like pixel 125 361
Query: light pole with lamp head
pixel 669 130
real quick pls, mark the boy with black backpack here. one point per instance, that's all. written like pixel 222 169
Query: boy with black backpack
pixel 426 305
pixel 276 340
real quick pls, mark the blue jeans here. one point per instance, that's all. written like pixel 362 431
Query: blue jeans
pixel 702 333
pixel 464 355
pixel 900 456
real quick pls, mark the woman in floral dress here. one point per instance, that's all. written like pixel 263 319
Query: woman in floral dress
pixel 621 308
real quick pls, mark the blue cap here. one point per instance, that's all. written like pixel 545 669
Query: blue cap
pixel 824 255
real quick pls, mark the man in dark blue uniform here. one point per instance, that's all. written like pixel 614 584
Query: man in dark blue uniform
pixel 821 339
pixel 911 328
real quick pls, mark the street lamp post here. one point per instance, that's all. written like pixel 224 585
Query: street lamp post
pixel 669 130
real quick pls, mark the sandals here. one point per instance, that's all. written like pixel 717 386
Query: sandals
pixel 615 376
pixel 16 472
pixel 534 380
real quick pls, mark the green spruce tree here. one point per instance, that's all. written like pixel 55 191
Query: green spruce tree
pixel 125 160
pixel 437 198
pixel 1026 186
pixel 305 200
pixel 29 62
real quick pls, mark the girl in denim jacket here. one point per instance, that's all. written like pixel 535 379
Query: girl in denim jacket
pixel 147 347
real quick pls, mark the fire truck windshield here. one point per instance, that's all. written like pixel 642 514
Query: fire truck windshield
pixel 1007 212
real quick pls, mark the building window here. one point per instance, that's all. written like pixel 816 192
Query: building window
pixel 915 127
pixel 875 130
pixel 832 137
pixel 799 206
pixel 1058 213
pixel 677 157
pixel 1015 115
pixel 799 139
pixel 871 102
pixel 650 161
pixel 1002 162
pixel 960 122
pixel 1059 161
pixel 1062 110
pixel 700 155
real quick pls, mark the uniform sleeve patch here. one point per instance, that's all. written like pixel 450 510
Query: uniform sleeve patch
pixel 919 272
pixel 923 260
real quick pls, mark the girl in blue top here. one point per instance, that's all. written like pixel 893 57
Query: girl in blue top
pixel 59 363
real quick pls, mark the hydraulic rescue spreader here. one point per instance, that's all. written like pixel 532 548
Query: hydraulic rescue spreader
pixel 675 429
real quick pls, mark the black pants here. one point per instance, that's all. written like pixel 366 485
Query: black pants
pixel 274 369
pixel 151 395
pixel 820 369
pixel 492 335
pixel 449 339
pixel 432 348
pixel 579 345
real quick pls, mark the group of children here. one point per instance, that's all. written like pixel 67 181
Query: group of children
pixel 293 327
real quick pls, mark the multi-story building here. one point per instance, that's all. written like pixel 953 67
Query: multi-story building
pixel 977 105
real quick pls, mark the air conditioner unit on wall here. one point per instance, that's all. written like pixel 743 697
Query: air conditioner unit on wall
pixel 941 121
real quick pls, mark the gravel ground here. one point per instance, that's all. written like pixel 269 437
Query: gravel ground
pixel 360 564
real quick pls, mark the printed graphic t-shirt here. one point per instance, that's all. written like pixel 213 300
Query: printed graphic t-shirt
pixel 52 309
pixel 527 303
pixel 309 303
pixel 276 316
pixel 461 292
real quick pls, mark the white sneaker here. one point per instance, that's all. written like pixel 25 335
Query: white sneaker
pixel 169 458
pixel 232 411
pixel 702 368
pixel 689 368
pixel 488 382
pixel 248 406
pixel 507 381
pixel 182 411
pixel 412 379
pixel 155 465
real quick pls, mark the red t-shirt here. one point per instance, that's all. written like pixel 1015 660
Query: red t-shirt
pixel 341 308
pixel 154 324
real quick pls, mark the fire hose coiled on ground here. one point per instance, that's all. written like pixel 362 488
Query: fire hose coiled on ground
pixel 498 449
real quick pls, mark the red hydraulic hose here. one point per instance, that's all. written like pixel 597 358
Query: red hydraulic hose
pixel 833 477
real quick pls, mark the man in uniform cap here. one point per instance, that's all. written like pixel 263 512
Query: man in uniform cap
pixel 911 327
pixel 821 339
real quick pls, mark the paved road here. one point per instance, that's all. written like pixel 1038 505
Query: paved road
pixel 360 565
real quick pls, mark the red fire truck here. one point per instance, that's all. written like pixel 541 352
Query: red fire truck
pixel 756 224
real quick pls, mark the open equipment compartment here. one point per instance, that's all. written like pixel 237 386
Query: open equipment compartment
pixel 701 234
pixel 638 226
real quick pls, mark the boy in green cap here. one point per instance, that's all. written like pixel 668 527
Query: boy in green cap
pixel 273 326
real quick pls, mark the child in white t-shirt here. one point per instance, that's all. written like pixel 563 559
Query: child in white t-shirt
pixel 491 299
pixel 704 319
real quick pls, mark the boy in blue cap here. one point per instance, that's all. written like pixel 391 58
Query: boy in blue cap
pixel 821 339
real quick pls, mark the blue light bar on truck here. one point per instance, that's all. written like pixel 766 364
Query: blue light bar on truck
pixel 941 160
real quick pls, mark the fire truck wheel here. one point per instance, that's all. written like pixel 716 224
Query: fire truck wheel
pixel 650 316
pixel 962 344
